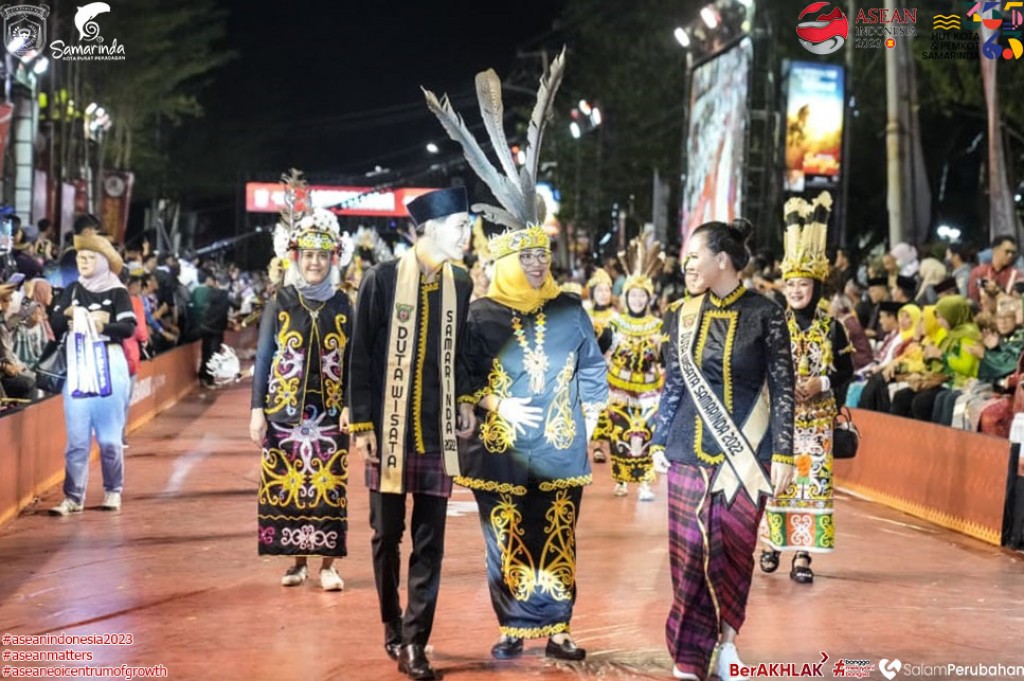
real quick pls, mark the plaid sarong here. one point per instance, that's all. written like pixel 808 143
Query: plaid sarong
pixel 711 548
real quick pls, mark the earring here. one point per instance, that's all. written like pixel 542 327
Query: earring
pixel 721 265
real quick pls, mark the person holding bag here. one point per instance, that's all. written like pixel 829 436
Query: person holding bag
pixel 800 518
pixel 96 365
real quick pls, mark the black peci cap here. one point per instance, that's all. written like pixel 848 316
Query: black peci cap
pixel 890 306
pixel 879 281
pixel 947 284
pixel 438 204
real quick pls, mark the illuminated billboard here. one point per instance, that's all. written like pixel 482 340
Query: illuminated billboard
pixel 814 125
pixel 716 137
pixel 268 197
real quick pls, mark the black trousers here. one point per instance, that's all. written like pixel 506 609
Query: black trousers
pixel 915 405
pixel 211 346
pixel 387 518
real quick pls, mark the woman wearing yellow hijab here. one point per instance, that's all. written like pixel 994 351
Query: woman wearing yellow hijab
pixel 540 384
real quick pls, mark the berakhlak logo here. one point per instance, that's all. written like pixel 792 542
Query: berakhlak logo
pixel 24 28
pixel 89 30
pixel 889 668
pixel 946 22
pixel 824 33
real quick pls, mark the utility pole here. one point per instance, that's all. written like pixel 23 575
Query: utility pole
pixel 895 142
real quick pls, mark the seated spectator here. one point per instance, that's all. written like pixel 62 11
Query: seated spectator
pixel 17 380
pixel 932 273
pixel 878 292
pixel 29 330
pixel 904 290
pixel 950 363
pixel 958 262
pixel 842 309
pixel 884 353
pixel 905 256
pixel 882 379
pixel 988 280
pixel 946 287
pixel 26 259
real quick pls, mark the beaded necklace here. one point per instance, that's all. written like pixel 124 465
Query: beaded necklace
pixel 534 360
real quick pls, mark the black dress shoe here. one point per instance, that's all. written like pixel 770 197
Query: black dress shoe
pixel 393 638
pixel 566 650
pixel 413 663
pixel 507 648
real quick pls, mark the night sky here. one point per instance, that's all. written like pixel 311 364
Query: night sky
pixel 333 87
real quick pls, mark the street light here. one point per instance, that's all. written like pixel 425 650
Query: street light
pixel 682 37
pixel 91 109
pixel 432 148
pixel 574 129
pixel 39 68
pixel 709 16
pixel 595 117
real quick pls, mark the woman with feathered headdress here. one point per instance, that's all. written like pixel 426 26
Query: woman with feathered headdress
pixel 532 354
pixel 800 518
pixel 634 375
pixel 298 394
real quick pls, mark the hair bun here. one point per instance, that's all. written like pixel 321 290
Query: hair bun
pixel 744 229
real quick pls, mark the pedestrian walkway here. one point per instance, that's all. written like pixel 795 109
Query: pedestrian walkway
pixel 177 569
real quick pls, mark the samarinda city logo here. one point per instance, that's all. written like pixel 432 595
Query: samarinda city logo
pixel 91 45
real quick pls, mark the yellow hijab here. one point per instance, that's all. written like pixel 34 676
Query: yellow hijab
pixel 914 312
pixel 511 288
pixel 932 331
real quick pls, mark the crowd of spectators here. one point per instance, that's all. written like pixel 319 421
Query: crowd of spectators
pixel 181 299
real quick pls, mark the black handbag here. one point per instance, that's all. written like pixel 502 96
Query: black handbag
pixel 845 436
pixel 52 368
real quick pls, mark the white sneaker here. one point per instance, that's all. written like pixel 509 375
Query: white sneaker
pixel 727 655
pixel 677 674
pixel 646 493
pixel 111 501
pixel 66 507
pixel 621 490
pixel 296 575
pixel 330 580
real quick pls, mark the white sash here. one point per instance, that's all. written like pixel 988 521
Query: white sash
pixel 399 377
pixel 739 447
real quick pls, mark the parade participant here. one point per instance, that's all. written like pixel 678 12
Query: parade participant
pixel 726 416
pixel 298 394
pixel 602 314
pixel 532 354
pixel 100 292
pixel 634 376
pixel 410 319
pixel 801 516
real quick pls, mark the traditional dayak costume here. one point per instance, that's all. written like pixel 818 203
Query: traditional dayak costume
pixel 725 414
pixel 801 517
pixel 298 382
pixel 634 378
pixel 404 388
pixel 536 344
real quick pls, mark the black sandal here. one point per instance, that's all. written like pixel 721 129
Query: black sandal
pixel 801 574
pixel 769 561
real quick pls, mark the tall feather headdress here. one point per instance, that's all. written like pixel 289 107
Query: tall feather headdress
pixel 806 237
pixel 642 262
pixel 521 209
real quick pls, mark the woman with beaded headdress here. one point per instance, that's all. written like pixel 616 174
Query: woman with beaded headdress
pixel 601 306
pixel 800 518
pixel 634 375
pixel 298 394
pixel 532 353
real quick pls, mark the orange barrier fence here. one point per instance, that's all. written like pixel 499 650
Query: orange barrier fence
pixel 950 477
pixel 32 440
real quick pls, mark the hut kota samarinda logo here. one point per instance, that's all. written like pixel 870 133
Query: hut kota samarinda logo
pixel 91 45
pixel 824 31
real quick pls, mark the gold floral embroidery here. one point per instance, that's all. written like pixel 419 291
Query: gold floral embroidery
pixel 496 433
pixel 333 365
pixel 557 576
pixel 535 632
pixel 491 486
pixel 559 426
pixel 286 370
pixel 565 483
pixel 516 562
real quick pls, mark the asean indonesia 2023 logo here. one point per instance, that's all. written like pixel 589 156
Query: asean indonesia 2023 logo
pixel 823 29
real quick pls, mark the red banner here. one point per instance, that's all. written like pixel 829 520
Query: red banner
pixel 117 196
pixel 268 197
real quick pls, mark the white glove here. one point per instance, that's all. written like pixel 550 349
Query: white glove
pixel 660 461
pixel 591 425
pixel 519 414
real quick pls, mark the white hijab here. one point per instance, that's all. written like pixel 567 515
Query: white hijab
pixel 102 279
